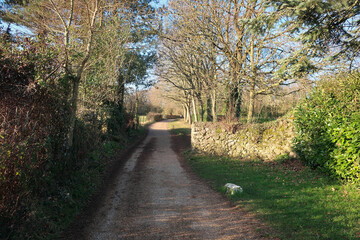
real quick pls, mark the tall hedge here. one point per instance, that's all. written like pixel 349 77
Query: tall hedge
pixel 328 126
pixel 42 183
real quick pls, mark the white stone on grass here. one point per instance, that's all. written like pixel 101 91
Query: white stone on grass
pixel 233 188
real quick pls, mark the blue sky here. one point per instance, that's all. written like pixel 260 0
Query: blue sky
pixel 160 4
pixel 20 29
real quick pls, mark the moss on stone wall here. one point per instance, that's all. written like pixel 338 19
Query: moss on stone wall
pixel 266 141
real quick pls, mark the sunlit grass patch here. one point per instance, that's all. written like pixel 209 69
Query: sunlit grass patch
pixel 179 127
pixel 297 202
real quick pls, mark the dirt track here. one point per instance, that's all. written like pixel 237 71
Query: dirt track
pixel 155 197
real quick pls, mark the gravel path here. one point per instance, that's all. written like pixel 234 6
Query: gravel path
pixel 154 197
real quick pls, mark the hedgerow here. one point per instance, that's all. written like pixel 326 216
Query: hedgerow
pixel 328 127
pixel 43 181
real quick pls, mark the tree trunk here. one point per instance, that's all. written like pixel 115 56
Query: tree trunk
pixel 236 92
pixel 194 109
pixel 73 103
pixel 188 110
pixel 121 91
pixel 230 105
pixel 234 102
pixel 251 103
pixel 201 110
pixel 237 100
pixel 209 115
pixel 213 105
pixel 136 116
pixel 185 113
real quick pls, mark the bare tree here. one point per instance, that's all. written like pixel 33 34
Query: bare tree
pixel 246 42
pixel 189 61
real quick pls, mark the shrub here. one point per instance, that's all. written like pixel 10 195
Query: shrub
pixel 328 127
pixel 43 181
pixel 172 116
pixel 154 117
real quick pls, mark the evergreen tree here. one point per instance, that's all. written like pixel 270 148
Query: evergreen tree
pixel 326 26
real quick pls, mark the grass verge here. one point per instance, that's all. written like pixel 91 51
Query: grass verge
pixel 179 127
pixel 296 201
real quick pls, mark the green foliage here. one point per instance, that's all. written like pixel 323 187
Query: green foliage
pixel 120 124
pixel 34 118
pixel 116 122
pixel 154 117
pixel 325 25
pixel 282 158
pixel 43 183
pixel 328 126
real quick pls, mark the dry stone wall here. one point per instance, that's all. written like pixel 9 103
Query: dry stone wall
pixel 265 141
